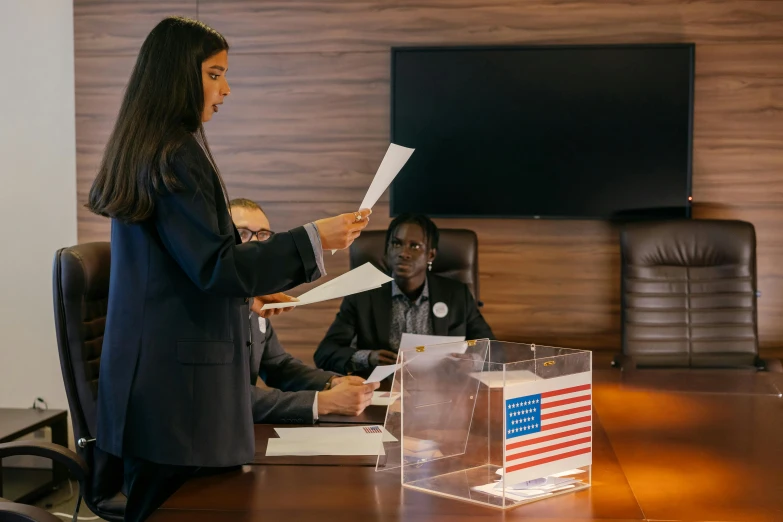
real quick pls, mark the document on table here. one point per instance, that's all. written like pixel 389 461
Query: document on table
pixel 520 494
pixel 395 158
pixel 360 279
pixel 350 440
pixel 350 446
pixel 540 487
pixel 341 432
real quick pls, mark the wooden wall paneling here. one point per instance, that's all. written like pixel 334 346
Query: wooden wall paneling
pixel 347 25
pixel 738 128
pixel 116 27
pixel 308 120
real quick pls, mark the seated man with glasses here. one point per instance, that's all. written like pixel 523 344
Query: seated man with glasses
pixel 296 393
pixel 369 326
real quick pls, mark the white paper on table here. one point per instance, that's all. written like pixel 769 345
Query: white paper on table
pixel 395 158
pixel 494 379
pixel 330 446
pixel 342 433
pixel 360 279
pixel 383 398
pixel 381 372
pixel 515 495
pixel 544 483
pixel 411 341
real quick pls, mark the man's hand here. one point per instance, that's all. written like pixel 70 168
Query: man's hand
pixel 348 397
pixel 382 357
pixel 259 302
pixel 339 232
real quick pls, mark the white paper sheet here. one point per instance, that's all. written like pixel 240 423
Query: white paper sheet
pixel 303 447
pixel 360 279
pixel 515 495
pixel 395 158
pixel 341 432
pixel 410 341
pixel 384 398
pixel 381 372
pixel 521 494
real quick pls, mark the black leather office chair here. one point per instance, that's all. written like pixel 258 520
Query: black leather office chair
pixel 81 290
pixel 457 256
pixel 689 294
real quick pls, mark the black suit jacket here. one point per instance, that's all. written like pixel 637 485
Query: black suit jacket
pixel 292 384
pixel 366 317
pixel 175 363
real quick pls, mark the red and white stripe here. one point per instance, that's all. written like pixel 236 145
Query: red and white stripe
pixel 565 439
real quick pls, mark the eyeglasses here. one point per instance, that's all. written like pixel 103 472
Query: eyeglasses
pixel 245 234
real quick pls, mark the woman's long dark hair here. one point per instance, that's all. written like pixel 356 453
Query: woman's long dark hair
pixel 162 106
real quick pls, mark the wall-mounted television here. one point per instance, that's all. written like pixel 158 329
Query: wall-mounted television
pixel 581 132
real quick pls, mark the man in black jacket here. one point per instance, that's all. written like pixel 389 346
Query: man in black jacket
pixel 368 328
pixel 296 393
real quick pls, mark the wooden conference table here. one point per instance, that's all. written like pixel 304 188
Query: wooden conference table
pixel 668 445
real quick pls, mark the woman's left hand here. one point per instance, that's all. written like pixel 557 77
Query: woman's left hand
pixel 259 302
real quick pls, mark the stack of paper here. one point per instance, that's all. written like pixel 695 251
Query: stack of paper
pixel 361 279
pixel 350 440
pixel 521 494
pixel 541 487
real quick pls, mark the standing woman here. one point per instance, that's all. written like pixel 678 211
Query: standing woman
pixel 174 368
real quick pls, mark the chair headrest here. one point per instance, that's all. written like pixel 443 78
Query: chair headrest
pixel 698 242
pixel 84 270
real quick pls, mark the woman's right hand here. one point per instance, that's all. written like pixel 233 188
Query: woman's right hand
pixel 340 231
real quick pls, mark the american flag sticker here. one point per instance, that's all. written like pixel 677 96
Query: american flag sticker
pixel 372 429
pixel 548 426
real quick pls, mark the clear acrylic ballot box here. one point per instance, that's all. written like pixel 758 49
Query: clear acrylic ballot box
pixel 489 422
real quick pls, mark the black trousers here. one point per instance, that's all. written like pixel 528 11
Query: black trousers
pixel 148 485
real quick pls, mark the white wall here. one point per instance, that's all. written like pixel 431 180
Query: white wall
pixel 37 191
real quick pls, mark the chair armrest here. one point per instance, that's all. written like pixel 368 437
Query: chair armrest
pixel 60 454
pixel 22 512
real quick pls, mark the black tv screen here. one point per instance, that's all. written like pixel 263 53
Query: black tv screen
pixel 584 132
